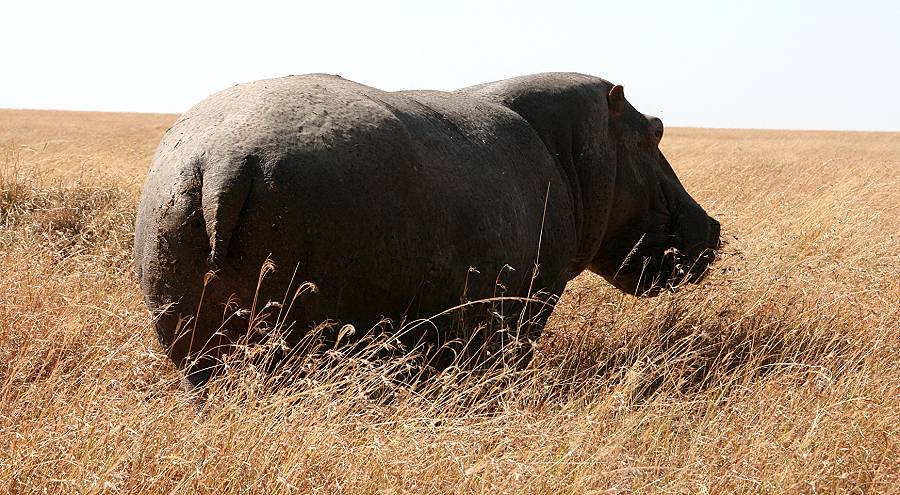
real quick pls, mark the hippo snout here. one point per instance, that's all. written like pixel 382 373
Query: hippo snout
pixel 708 255
pixel 715 231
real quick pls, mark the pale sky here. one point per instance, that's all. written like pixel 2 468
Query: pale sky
pixel 765 64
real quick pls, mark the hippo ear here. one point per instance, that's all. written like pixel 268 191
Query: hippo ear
pixel 616 101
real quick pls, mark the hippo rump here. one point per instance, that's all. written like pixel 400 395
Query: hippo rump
pixel 399 206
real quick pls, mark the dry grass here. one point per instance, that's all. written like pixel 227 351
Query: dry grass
pixel 779 374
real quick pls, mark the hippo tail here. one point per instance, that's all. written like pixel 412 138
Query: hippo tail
pixel 224 198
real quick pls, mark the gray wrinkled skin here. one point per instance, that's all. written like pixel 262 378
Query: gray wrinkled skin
pixel 387 200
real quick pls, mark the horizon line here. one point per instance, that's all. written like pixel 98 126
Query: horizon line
pixel 691 126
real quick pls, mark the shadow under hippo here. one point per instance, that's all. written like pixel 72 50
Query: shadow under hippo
pixel 400 205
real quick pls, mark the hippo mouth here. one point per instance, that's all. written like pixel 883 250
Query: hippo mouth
pixel 700 261
pixel 691 264
pixel 663 266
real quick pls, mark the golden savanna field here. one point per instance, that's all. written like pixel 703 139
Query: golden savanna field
pixel 780 373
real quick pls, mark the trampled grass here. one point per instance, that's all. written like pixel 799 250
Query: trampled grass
pixel 779 374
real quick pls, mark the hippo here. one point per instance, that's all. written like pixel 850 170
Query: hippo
pixel 402 208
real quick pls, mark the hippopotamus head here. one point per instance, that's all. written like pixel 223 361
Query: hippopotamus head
pixel 657 236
